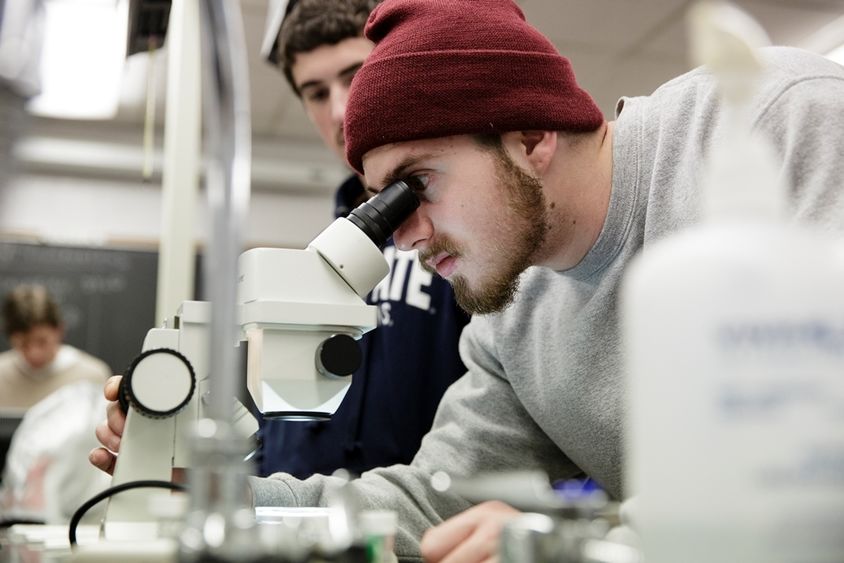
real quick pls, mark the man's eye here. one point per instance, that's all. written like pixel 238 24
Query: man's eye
pixel 418 182
pixel 317 95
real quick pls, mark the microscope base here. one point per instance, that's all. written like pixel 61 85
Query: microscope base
pixel 154 551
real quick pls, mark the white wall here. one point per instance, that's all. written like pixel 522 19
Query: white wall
pixel 96 211
pixel 83 185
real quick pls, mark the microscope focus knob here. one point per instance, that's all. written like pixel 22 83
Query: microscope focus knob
pixel 338 355
pixel 158 384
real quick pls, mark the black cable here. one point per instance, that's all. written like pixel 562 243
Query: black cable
pixel 102 495
pixel 9 522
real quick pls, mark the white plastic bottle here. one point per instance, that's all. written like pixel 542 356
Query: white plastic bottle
pixel 734 333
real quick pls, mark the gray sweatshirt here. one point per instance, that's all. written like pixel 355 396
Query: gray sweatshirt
pixel 544 387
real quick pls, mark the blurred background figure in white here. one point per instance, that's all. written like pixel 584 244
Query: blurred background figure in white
pixel 39 362
pixel 47 475
pixel 50 399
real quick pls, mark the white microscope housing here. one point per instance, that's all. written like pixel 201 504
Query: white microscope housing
pixel 301 312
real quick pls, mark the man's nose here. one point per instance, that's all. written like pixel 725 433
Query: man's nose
pixel 339 97
pixel 34 355
pixel 414 233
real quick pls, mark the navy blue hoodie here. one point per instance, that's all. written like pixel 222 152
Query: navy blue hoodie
pixel 409 361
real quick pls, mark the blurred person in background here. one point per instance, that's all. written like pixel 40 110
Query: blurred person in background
pixel 57 389
pixel 39 362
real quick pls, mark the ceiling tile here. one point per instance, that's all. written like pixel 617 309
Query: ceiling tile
pixel 601 25
pixel 617 47
pixel 787 23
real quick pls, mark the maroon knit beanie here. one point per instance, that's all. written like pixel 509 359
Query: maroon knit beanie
pixel 454 67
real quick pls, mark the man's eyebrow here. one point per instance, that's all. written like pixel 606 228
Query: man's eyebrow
pixel 351 69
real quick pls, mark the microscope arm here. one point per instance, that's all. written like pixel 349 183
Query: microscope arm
pixel 158 385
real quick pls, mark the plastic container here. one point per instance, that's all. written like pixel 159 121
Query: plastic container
pixel 734 332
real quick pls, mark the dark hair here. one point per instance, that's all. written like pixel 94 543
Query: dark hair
pixel 494 143
pixel 310 24
pixel 489 141
pixel 28 306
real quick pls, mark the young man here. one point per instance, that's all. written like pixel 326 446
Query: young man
pixel 411 358
pixel 39 363
pixel 533 208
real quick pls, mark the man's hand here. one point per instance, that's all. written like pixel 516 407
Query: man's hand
pixel 469 537
pixel 110 430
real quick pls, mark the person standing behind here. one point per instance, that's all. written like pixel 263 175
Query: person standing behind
pixel 411 358
pixel 39 363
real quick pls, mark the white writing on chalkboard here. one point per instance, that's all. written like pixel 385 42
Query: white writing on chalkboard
pixel 107 295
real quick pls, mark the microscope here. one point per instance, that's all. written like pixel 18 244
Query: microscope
pixel 300 314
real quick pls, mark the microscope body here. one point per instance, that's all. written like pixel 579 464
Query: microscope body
pixel 300 314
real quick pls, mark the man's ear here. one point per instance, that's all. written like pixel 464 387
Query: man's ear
pixel 537 147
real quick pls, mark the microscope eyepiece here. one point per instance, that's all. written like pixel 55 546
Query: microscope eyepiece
pixel 381 215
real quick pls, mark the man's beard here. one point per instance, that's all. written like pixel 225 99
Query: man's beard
pixel 523 236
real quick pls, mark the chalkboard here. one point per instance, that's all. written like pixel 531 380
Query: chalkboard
pixel 107 296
